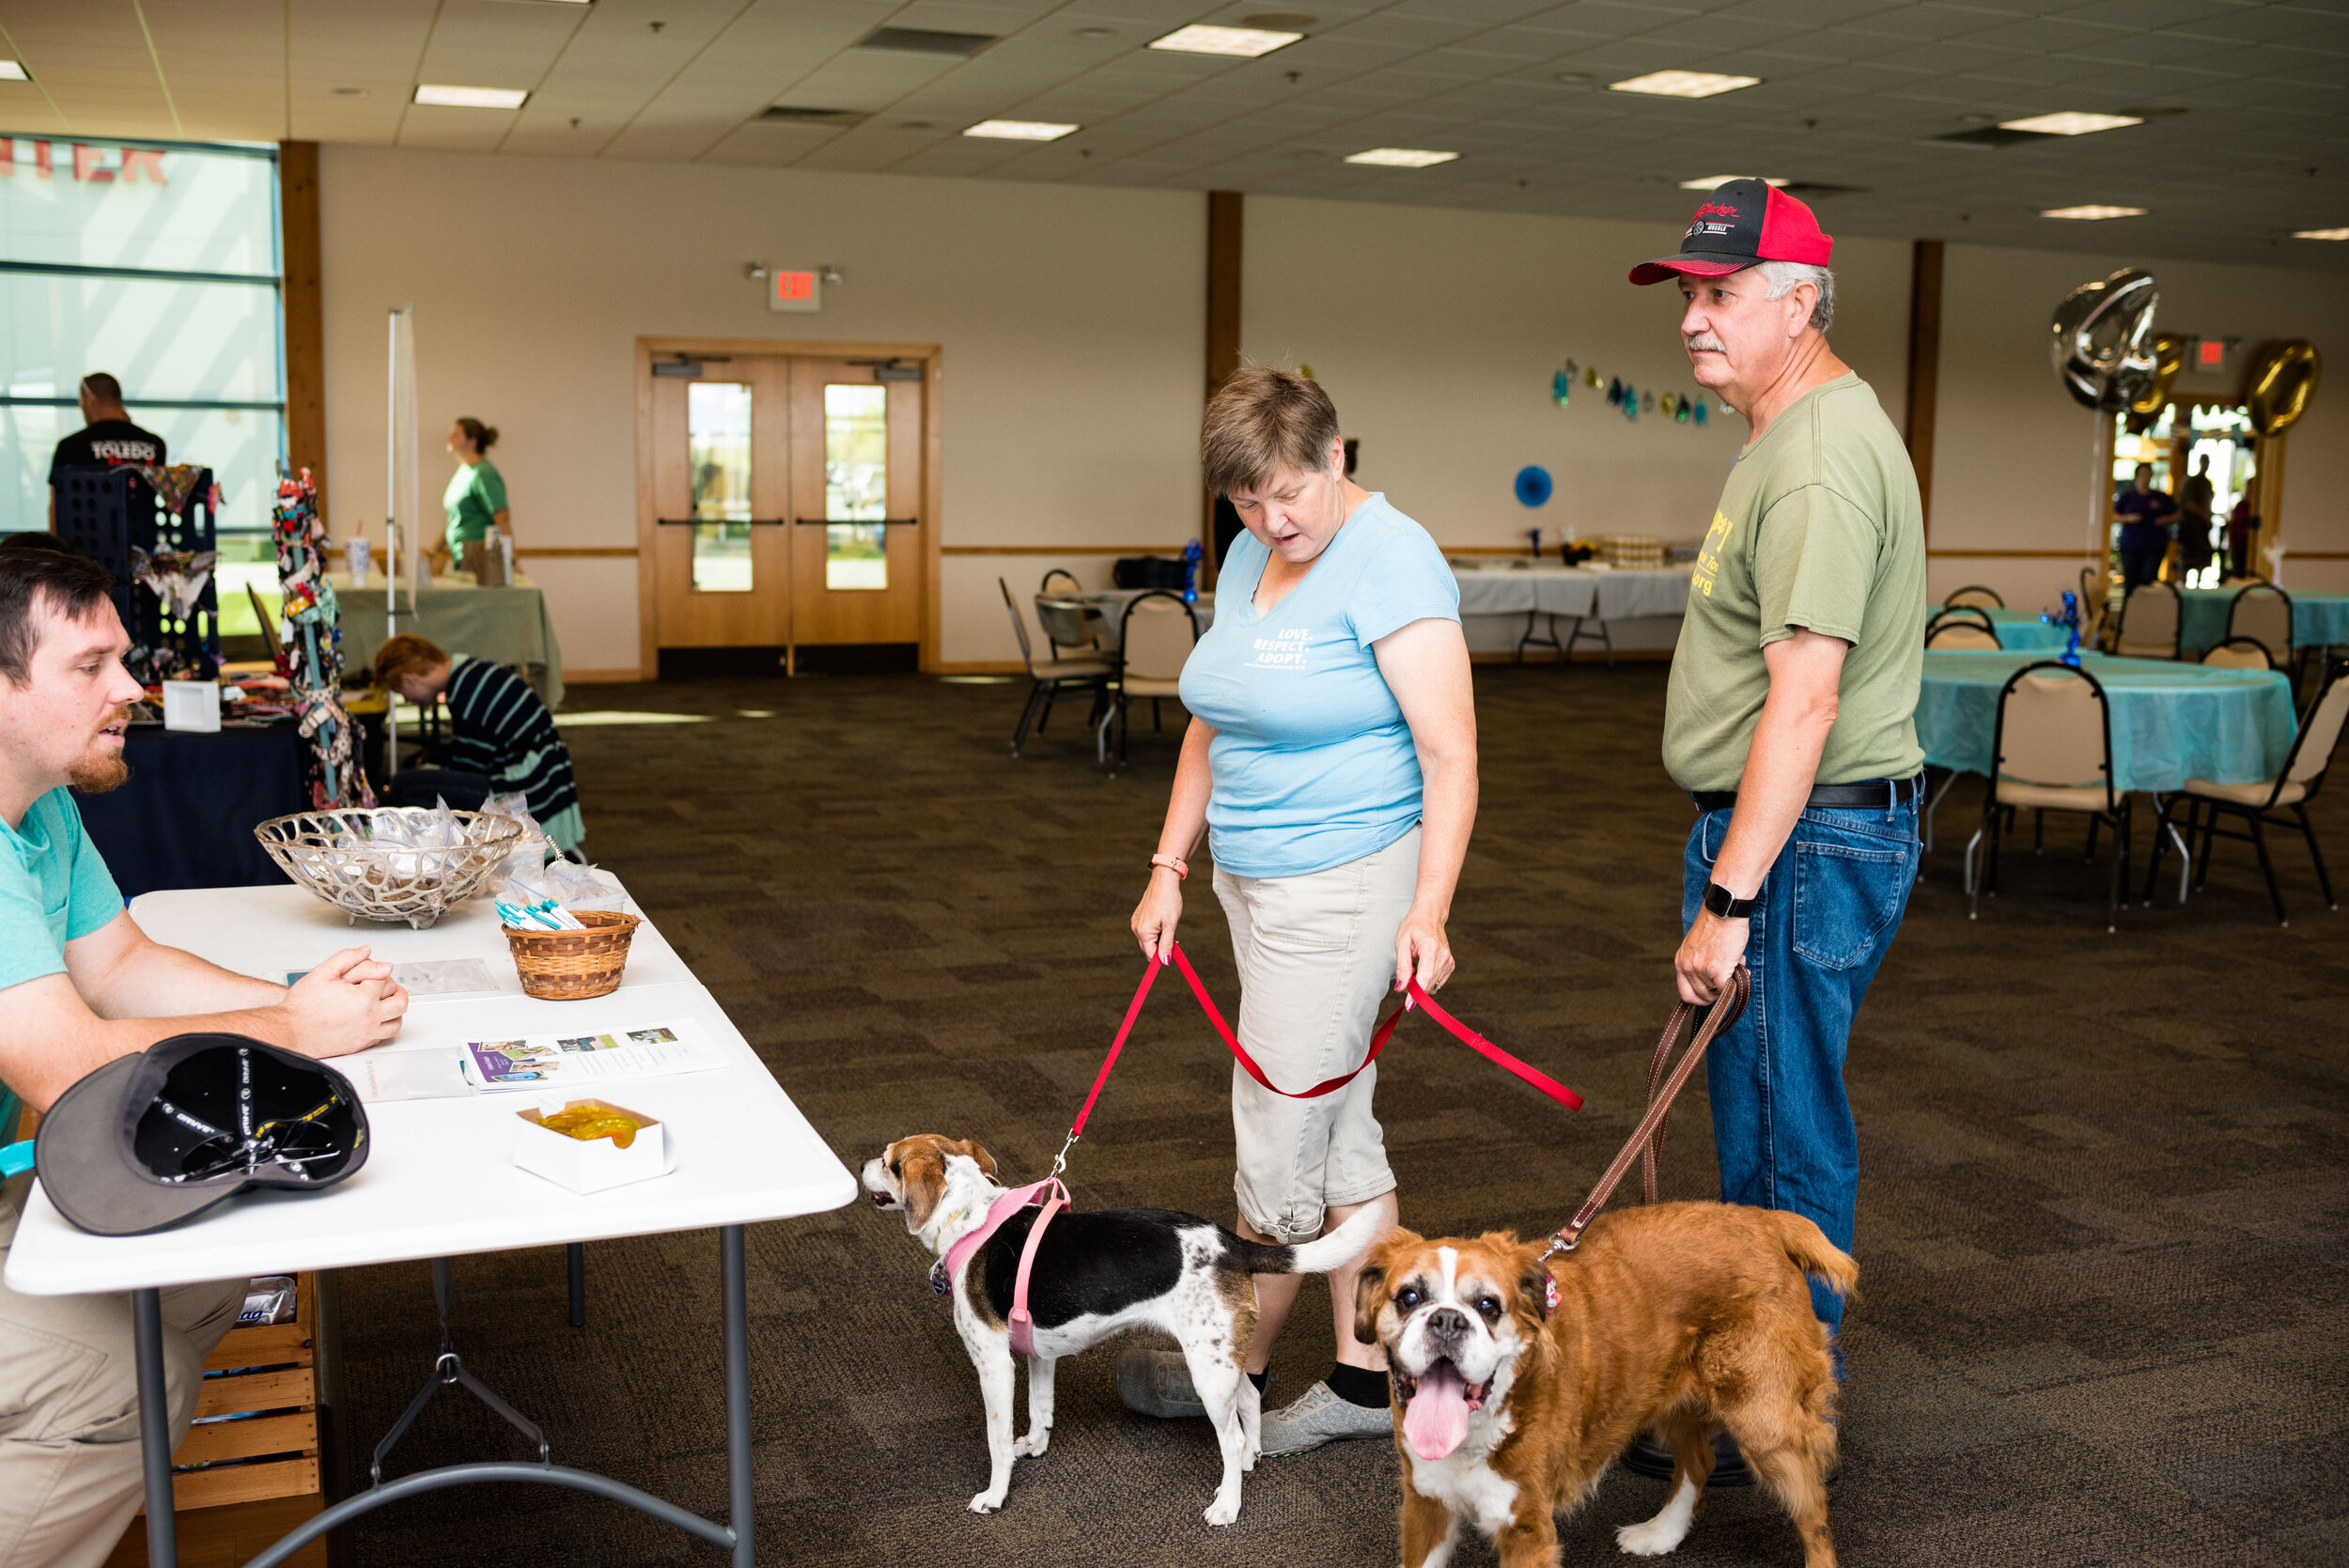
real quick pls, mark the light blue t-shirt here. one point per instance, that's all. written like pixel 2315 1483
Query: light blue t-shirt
pixel 54 887
pixel 1314 764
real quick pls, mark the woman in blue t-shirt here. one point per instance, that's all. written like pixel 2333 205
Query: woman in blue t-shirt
pixel 1331 757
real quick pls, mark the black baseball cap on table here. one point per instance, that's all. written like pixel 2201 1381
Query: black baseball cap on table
pixel 1741 222
pixel 151 1140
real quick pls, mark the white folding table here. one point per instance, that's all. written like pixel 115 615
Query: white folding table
pixel 439 1181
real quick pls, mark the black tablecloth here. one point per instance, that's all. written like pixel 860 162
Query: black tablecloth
pixel 186 817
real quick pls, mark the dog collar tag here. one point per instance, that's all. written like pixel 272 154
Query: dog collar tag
pixel 938 1285
pixel 1549 1294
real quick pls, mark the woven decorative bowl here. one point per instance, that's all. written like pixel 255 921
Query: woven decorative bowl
pixel 570 966
pixel 335 855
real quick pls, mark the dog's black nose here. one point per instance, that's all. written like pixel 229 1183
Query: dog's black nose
pixel 1448 1324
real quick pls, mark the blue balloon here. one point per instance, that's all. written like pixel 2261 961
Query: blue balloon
pixel 1532 485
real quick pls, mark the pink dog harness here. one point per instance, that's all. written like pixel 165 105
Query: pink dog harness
pixel 1023 1325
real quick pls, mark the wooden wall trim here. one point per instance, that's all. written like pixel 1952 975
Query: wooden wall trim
pixel 1226 215
pixel 1061 550
pixel 1924 366
pixel 578 552
pixel 2003 555
pixel 305 315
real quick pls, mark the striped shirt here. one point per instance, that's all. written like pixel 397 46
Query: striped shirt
pixel 501 729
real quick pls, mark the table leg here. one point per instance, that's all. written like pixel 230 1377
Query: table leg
pixel 163 1537
pixel 738 1316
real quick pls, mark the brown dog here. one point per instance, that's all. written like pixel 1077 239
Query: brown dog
pixel 1686 1317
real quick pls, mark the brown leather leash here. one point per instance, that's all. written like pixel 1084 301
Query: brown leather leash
pixel 1647 1140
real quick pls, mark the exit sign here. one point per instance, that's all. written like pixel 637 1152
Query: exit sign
pixel 787 290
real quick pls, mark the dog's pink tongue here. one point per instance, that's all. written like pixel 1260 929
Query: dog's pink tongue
pixel 1437 1419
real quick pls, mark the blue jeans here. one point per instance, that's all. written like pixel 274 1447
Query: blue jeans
pixel 1820 924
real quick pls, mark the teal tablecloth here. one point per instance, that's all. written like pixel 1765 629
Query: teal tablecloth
pixel 2318 620
pixel 2170 723
pixel 2023 631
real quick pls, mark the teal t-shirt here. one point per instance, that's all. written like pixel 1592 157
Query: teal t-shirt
pixel 475 494
pixel 1314 764
pixel 54 888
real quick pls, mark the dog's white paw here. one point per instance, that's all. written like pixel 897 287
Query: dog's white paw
pixel 1033 1444
pixel 1222 1511
pixel 987 1502
pixel 1656 1536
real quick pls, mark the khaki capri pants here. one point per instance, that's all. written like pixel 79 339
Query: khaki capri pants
pixel 1317 959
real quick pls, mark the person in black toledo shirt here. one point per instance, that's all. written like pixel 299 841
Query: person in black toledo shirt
pixel 107 437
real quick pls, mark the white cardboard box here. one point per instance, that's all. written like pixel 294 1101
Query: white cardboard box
pixel 589 1164
pixel 192 704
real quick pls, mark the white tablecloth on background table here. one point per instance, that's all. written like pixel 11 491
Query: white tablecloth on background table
pixel 1579 591
pixel 440 1178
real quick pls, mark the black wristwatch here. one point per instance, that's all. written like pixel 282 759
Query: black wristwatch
pixel 1720 901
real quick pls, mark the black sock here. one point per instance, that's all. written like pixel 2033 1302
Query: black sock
pixel 1358 1386
pixel 1260 1379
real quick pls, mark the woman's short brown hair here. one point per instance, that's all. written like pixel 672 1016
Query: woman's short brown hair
pixel 1260 422
pixel 406 655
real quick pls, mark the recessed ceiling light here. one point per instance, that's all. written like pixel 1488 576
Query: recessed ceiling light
pixel 2069 122
pixel 2320 234
pixel 1244 43
pixel 1713 182
pixel 1401 157
pixel 1683 83
pixel 472 97
pixel 1021 130
pixel 13 71
pixel 2093 213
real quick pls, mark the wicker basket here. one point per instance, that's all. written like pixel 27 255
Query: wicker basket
pixel 332 854
pixel 569 966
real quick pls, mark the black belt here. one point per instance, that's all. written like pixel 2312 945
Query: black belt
pixel 1845 797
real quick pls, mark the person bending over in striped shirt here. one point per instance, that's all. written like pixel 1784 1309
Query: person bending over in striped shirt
pixel 502 739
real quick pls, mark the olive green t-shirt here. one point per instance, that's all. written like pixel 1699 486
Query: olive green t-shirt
pixel 1819 527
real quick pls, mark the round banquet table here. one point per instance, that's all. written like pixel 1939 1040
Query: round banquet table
pixel 2318 620
pixel 2170 722
pixel 2023 631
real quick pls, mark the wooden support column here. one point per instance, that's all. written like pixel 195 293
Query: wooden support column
pixel 1224 214
pixel 305 317
pixel 1924 366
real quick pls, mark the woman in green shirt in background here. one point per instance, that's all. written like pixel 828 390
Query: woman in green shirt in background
pixel 476 497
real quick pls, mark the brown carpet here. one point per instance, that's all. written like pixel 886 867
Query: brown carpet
pixel 2100 1235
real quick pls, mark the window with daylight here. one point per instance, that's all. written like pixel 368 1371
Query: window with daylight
pixel 158 263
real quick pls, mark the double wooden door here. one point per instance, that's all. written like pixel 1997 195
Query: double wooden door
pixel 788 499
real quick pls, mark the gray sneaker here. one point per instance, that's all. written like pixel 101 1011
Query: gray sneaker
pixel 1158 1383
pixel 1318 1417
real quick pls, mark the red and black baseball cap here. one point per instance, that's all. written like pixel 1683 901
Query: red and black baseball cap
pixel 1742 222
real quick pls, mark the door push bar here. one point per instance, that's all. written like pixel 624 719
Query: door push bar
pixel 695 522
pixel 867 523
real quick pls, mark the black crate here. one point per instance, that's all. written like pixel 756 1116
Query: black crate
pixel 105 513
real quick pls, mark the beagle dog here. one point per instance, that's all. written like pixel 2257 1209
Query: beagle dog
pixel 1096 1273
pixel 1515 1383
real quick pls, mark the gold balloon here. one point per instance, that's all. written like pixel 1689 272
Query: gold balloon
pixel 2283 380
pixel 2168 359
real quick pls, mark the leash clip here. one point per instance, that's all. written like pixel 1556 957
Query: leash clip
pixel 1060 1161
pixel 938 1283
pixel 1559 1242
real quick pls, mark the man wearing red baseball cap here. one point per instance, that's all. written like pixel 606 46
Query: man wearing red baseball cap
pixel 1791 715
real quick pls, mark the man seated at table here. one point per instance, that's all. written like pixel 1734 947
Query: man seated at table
pixel 81 985
pixel 502 739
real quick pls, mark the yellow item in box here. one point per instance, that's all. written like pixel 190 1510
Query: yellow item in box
pixel 587 1119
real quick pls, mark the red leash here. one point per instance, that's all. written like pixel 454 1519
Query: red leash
pixel 1414 995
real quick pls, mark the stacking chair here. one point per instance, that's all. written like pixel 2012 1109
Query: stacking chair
pixel 2052 751
pixel 1051 677
pixel 1962 627
pixel 1074 628
pixel 1056 575
pixel 2152 618
pixel 2263 613
pixel 1155 638
pixel 2095 601
pixel 2259 804
pixel 1978 597
pixel 2240 653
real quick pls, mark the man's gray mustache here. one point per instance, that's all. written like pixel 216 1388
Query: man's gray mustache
pixel 1704 345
